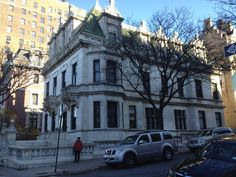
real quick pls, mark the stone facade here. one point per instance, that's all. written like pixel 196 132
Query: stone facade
pixel 217 37
pixel 90 104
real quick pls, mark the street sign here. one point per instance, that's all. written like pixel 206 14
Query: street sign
pixel 230 49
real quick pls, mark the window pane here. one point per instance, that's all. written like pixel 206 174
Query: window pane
pixel 202 120
pixel 35 99
pixel 132 117
pixel 96 112
pixel 180 120
pixel 111 71
pixel 112 114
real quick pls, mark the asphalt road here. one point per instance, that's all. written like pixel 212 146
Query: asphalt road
pixel 157 168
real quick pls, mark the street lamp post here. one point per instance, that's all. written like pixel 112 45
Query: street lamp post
pixel 58 139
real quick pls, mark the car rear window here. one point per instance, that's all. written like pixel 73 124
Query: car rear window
pixel 156 137
pixel 222 131
pixel 167 136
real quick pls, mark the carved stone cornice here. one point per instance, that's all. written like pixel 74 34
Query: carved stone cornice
pixel 69 98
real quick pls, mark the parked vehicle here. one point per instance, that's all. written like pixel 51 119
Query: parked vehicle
pixel 208 135
pixel 141 146
pixel 217 159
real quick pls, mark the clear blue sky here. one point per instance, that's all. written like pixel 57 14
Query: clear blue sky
pixel 143 9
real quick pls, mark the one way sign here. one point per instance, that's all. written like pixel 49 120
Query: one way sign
pixel 230 49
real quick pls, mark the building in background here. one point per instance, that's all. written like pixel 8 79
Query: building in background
pixel 217 36
pixel 26 27
pixel 30 23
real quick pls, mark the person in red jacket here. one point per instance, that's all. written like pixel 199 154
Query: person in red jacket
pixel 78 146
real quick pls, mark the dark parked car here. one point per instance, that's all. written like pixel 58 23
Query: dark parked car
pixel 217 159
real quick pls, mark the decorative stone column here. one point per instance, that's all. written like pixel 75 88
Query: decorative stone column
pixel 11 133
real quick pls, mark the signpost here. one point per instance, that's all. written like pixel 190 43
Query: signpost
pixel 58 138
pixel 230 49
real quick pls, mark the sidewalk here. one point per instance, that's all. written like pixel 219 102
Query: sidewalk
pixel 68 168
pixel 62 169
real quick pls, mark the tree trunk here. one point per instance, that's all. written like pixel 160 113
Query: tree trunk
pixel 160 118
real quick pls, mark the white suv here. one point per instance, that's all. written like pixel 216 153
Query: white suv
pixel 141 146
pixel 206 136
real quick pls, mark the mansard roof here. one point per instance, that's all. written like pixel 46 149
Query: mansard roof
pixel 91 25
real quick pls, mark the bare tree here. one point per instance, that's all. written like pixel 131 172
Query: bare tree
pixel 226 9
pixel 170 55
pixel 17 72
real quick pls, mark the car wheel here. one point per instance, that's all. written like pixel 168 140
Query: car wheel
pixel 130 160
pixel 167 154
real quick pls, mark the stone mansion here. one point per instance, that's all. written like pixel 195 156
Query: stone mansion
pixel 84 88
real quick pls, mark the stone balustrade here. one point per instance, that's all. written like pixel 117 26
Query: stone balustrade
pixel 29 157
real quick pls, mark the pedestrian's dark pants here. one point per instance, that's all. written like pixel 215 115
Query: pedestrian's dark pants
pixel 77 156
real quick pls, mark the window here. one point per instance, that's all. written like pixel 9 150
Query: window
pixel 42 20
pixel 36 78
pixel 34 24
pixel 132 117
pixel 146 82
pixel 180 87
pixel 32 44
pixel 49 18
pixel 215 91
pixel 35 98
pixel 23 11
pixel 143 139
pixel 53 125
pixel 198 85
pixel 41 29
pixel 218 119
pixel 155 137
pixel 8 39
pixel 74 73
pixel 73 117
pixel 22 31
pixel 112 114
pixel 11 8
pixel 45 122
pixel 47 89
pixel 180 120
pixel 34 14
pixel 96 70
pixel 22 21
pixel 9 18
pixel 96 114
pixel 59 12
pixel 49 29
pixel 33 120
pixel 152 121
pixel 167 136
pixel 35 5
pixel 202 119
pixel 49 9
pixel 33 34
pixel 41 40
pixel 21 42
pixel 54 89
pixel 111 71
pixel 9 29
pixel 112 36
pixel 24 2
pixel 43 9
pixel 63 79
